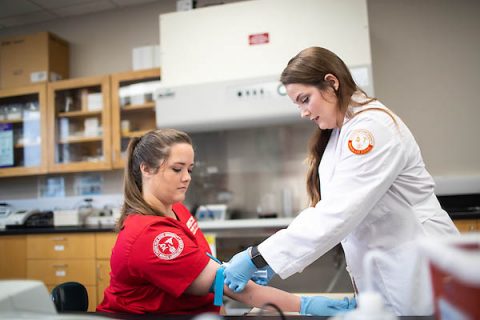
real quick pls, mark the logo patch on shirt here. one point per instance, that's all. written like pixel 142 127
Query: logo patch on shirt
pixel 167 245
pixel 361 141
pixel 192 225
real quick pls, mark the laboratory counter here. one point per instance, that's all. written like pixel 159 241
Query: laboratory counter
pixel 213 317
pixel 254 226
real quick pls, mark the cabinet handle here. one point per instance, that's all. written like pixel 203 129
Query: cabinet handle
pixel 60 265
pixel 99 277
pixel 59 239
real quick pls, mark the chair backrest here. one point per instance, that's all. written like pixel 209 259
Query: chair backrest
pixel 70 296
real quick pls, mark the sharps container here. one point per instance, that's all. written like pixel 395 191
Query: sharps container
pixel 454 264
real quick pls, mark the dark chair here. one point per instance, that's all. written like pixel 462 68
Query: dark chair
pixel 70 296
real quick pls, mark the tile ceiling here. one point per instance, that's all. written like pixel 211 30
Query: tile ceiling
pixel 15 13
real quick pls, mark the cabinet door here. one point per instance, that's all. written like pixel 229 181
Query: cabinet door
pixel 54 272
pixel 23 131
pixel 79 113
pixel 103 277
pixel 467 225
pixel 13 257
pixel 61 246
pixel 104 244
pixel 133 108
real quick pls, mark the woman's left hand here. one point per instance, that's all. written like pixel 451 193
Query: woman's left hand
pixel 239 270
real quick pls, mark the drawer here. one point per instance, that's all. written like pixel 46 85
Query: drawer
pixel 467 225
pixel 53 272
pixel 61 246
pixel 104 244
pixel 92 296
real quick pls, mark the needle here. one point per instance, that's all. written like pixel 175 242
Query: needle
pixel 214 259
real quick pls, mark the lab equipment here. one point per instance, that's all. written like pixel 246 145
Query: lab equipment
pixel 25 296
pixel 29 219
pixel 211 212
pixel 29 300
pixel 454 264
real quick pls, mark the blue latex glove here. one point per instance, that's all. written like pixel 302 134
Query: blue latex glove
pixel 321 306
pixel 239 270
pixel 263 276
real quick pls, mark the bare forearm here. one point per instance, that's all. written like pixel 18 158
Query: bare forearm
pixel 256 296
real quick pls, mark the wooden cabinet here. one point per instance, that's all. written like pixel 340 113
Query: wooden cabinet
pixel 23 131
pixel 58 258
pixel 75 125
pixel 80 128
pixel 467 225
pixel 13 252
pixel 133 108
pixel 104 244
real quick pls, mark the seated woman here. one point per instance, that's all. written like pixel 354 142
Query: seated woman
pixel 159 262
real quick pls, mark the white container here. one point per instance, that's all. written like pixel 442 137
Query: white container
pixel 91 127
pixel 146 57
pixel 62 218
pixel 95 101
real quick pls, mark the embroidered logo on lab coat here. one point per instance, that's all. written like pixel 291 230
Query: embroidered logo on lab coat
pixel 167 245
pixel 360 141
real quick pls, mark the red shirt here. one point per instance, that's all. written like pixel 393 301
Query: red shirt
pixel 153 262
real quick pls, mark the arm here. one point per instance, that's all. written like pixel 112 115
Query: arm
pixel 359 182
pixel 254 295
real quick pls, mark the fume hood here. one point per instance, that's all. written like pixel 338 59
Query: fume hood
pixel 221 64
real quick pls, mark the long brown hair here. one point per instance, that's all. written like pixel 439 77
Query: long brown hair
pixel 152 150
pixel 309 67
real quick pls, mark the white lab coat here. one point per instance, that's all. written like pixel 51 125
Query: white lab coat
pixel 383 199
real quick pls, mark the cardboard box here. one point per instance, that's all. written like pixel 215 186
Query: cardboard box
pixel 35 58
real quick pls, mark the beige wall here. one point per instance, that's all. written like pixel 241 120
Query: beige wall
pixel 102 43
pixel 426 66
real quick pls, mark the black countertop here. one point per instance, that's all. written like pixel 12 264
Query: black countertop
pixel 213 317
pixel 465 206
pixel 69 229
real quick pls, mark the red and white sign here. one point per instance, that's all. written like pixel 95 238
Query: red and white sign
pixel 258 38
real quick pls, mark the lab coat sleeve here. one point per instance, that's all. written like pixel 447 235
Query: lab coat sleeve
pixel 358 183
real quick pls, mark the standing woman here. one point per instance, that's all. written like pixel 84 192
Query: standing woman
pixel 368 189
pixel 159 263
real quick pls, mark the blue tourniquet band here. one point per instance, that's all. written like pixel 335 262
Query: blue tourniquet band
pixel 218 287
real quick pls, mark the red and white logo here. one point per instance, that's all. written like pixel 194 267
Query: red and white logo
pixel 361 141
pixel 167 245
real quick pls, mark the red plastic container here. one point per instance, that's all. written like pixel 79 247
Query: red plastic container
pixel 455 271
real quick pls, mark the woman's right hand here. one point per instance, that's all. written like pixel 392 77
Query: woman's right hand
pixel 322 306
